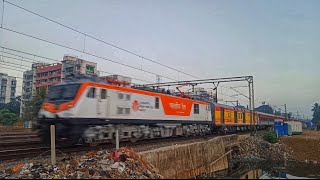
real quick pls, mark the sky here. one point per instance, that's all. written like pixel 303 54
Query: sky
pixel 275 41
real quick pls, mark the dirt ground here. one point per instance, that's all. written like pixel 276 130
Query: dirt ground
pixel 305 146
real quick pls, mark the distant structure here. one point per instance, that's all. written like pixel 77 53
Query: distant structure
pixel 8 88
pixel 73 66
pixel 47 75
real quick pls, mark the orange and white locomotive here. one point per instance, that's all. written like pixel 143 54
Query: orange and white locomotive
pixel 91 111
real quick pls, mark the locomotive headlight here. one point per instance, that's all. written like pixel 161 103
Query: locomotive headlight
pixel 70 106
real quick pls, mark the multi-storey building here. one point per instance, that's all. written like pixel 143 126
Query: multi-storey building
pixel 47 75
pixel 8 88
pixel 27 85
pixel 72 65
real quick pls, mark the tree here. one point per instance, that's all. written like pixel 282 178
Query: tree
pixel 316 113
pixel 265 109
pixel 8 118
pixel 14 105
pixel 33 106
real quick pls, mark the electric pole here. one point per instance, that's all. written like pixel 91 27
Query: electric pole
pixel 285 111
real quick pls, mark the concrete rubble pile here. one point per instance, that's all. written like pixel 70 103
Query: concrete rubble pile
pixel 123 163
pixel 255 149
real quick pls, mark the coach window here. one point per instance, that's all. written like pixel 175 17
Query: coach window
pixel 196 108
pixel 157 103
pixel 91 93
pixel 103 94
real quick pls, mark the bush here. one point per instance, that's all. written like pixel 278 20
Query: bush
pixel 271 137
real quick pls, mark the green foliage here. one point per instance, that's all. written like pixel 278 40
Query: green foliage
pixel 271 137
pixel 316 113
pixel 8 118
pixel 13 106
pixel 33 106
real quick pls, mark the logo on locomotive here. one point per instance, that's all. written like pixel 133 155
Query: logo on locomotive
pixel 135 106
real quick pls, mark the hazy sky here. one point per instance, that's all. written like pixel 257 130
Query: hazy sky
pixel 278 42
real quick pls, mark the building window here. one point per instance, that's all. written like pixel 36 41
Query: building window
pixel 103 94
pixel 13 94
pixel 127 110
pixel 69 69
pixel 196 109
pixel 4 82
pixel 13 83
pixel 89 69
pixel 13 89
pixel 91 93
pixel 128 97
pixel 157 103
pixel 120 95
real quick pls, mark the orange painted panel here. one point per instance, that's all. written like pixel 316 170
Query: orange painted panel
pixel 228 116
pixel 248 118
pixel 176 106
pixel 217 115
pixel 240 117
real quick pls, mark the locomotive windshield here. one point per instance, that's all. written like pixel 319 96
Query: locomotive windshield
pixel 63 92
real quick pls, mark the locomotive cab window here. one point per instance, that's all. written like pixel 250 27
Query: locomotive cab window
pixel 196 109
pixel 103 94
pixel 157 103
pixel 91 93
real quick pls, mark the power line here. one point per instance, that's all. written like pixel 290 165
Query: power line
pixel 106 59
pixel 12 62
pixel 236 91
pixel 99 40
pixel 2 16
pixel 22 58
pixel 34 61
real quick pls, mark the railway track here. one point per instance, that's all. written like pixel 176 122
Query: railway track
pixel 143 145
pixel 21 153
pixel 19 140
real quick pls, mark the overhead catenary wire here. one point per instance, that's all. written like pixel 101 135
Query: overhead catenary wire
pixel 90 54
pixel 11 68
pixel 2 13
pixel 23 58
pixel 99 40
pixel 24 66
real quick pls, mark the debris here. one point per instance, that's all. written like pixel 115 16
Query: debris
pixel 256 149
pixel 122 163
pixel 17 168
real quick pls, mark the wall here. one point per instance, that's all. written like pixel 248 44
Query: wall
pixel 192 160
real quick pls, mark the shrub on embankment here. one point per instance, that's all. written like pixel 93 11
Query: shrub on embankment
pixel 271 137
